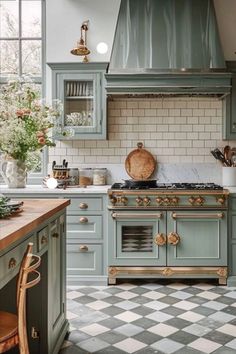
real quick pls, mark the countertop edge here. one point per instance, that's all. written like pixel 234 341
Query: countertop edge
pixel 33 219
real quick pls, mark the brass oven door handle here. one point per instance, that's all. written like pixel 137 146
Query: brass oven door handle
pixel 160 239
pixel 173 238
pixel 136 215
pixel 197 216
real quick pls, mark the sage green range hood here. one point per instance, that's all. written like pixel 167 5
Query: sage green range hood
pixel 167 47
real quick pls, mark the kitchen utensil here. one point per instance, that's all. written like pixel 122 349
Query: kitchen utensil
pixel 140 163
pixel 227 154
pixel 219 156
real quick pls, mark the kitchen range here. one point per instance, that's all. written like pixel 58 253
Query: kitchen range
pixel 167 230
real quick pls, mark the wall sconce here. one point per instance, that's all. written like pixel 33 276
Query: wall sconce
pixel 81 48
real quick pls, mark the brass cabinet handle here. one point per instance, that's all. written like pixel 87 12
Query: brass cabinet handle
pixel 12 263
pixel 44 240
pixel 83 206
pixel 173 238
pixel 83 248
pixel 83 220
pixel 160 239
pixel 55 235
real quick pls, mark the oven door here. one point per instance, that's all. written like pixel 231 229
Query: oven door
pixel 137 238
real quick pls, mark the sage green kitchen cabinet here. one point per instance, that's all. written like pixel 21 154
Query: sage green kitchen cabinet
pixel 46 311
pixel 86 235
pixel 86 241
pixel 232 240
pixel 229 106
pixel 81 89
pixel 56 278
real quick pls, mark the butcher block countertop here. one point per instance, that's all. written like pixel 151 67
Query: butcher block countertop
pixel 35 212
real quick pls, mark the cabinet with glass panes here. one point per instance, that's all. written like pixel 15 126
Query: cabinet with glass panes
pixel 80 88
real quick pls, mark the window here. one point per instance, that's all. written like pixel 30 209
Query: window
pixel 22 49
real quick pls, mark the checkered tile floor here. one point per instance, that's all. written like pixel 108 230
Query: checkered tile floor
pixel 151 317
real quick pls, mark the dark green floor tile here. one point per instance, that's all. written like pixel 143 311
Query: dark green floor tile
pixel 183 337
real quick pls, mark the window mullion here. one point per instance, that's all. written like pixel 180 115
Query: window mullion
pixel 20 38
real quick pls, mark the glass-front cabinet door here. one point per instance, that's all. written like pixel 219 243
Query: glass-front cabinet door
pixel 80 87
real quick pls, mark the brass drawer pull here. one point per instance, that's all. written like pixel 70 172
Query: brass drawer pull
pixel 55 235
pixel 83 206
pixel 83 220
pixel 11 263
pixel 198 216
pixel 44 240
pixel 83 248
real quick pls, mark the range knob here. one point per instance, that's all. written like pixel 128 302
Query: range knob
pixel 124 200
pixel 159 200
pixel 113 200
pixel 199 200
pixel 139 201
pixel 166 201
pixel 191 200
pixel 175 200
pixel 220 200
pixel 146 201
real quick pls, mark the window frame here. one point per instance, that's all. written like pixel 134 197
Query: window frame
pixel 34 177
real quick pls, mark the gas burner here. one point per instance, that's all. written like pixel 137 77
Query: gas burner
pixel 171 186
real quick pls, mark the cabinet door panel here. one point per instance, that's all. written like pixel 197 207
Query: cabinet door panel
pixel 203 239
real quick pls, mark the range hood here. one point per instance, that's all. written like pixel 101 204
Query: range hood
pixel 167 47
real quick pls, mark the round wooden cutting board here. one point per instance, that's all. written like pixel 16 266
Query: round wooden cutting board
pixel 140 163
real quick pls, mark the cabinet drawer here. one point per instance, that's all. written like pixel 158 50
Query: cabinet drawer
pixel 84 259
pixel 85 204
pixel 88 227
pixel 42 238
pixel 11 261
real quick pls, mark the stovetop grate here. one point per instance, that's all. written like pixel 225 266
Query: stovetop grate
pixel 171 186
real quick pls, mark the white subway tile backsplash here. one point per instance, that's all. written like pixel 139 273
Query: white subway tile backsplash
pixel 175 130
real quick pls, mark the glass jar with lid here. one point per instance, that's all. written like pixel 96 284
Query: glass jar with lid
pixel 99 176
pixel 85 176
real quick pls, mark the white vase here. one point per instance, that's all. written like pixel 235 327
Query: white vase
pixel 14 173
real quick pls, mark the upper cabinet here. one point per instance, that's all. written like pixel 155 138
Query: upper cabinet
pixel 229 116
pixel 80 87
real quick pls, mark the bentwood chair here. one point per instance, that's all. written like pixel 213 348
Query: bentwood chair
pixel 13 329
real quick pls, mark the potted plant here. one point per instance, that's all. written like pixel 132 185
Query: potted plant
pixel 25 125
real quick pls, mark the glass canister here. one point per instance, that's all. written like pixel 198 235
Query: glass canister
pixel 85 176
pixel 74 176
pixel 99 176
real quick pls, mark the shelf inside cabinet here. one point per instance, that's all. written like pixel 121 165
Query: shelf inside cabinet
pixel 79 97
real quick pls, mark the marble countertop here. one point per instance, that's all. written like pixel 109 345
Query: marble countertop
pixel 38 189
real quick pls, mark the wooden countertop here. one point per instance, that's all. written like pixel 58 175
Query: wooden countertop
pixel 35 212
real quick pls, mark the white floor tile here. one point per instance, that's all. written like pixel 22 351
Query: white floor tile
pixel 94 329
pixel 130 345
pixel 205 345
pixel 128 316
pixel 191 316
pixel 162 329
